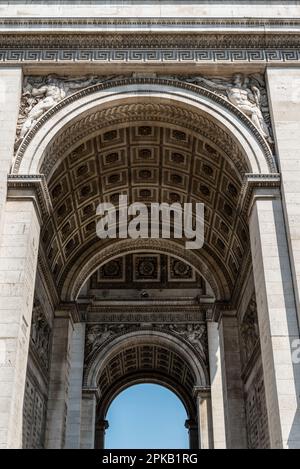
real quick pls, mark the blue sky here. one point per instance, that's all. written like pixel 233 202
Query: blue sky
pixel 146 416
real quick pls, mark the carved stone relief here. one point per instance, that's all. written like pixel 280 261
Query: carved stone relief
pixel 40 94
pixel 256 413
pixel 254 388
pixel 249 332
pixel 34 416
pixel 40 336
pixel 248 93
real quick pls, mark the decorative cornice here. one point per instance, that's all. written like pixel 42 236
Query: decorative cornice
pixel 236 54
pixel 238 21
pixel 68 310
pixel 220 309
pixel 149 40
pixel 47 277
pixel 193 39
pixel 202 391
pixel 139 313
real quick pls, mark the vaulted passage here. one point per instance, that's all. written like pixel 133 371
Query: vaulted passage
pixel 146 416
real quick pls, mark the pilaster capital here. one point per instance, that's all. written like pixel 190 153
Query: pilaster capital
pixel 202 392
pixel 218 310
pixel 30 187
pixel 259 186
pixel 191 425
pixel 91 393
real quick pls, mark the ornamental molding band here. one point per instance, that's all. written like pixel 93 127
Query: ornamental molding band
pixel 31 186
pixel 142 314
pixel 244 97
pixel 156 56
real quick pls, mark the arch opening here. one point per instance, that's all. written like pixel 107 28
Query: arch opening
pixel 146 416
pixel 124 100
pixel 150 163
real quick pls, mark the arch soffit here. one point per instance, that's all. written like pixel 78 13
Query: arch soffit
pixel 93 259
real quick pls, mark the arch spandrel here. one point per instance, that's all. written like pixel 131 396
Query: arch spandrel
pixel 82 108
pixel 63 138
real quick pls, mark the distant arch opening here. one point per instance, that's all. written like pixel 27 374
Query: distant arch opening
pixel 146 416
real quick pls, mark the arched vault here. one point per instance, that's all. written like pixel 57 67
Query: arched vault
pixel 155 140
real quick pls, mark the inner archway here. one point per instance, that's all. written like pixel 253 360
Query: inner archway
pixel 146 416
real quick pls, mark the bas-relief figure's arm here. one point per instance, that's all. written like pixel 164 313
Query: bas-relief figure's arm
pixel 257 95
pixel 212 84
pixel 37 92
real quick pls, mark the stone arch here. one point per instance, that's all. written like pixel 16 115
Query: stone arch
pixel 86 107
pixel 99 360
pixel 183 372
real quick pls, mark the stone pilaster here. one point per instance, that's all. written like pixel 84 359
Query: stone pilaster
pixel 10 97
pixel 277 317
pixel 284 94
pixel 59 382
pixel 101 427
pixel 217 397
pixel 75 390
pixel 18 263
